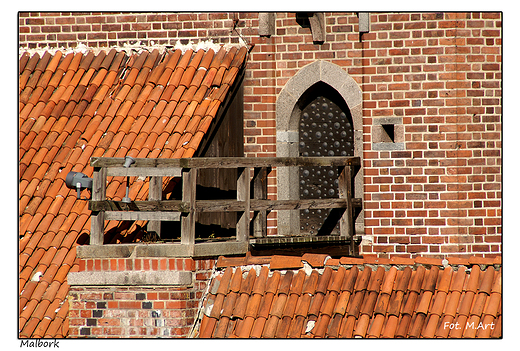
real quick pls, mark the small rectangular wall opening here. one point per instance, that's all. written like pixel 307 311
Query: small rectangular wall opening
pixel 389 131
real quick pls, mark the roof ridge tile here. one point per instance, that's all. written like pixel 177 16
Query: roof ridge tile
pixel 315 260
pixel 473 260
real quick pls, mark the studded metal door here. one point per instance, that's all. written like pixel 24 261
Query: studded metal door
pixel 325 130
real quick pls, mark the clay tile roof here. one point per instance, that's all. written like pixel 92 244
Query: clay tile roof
pixel 74 106
pixel 422 298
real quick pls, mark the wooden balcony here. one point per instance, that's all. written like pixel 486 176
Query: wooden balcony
pixel 251 203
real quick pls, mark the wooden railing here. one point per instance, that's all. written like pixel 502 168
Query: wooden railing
pixel 156 210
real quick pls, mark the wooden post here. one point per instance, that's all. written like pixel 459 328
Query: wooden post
pixel 189 193
pixel 345 192
pixel 97 221
pixel 243 194
pixel 260 193
pixel 155 193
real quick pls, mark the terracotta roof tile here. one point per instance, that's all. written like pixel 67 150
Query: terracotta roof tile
pixel 225 304
pixel 76 106
pixel 286 262
pixel 400 301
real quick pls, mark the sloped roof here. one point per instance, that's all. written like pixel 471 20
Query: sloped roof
pixel 74 106
pixel 314 296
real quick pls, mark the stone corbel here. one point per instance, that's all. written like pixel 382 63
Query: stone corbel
pixel 317 22
pixel 364 22
pixel 266 24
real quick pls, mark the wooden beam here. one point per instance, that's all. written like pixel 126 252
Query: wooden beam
pixel 97 219
pixel 219 162
pixel 153 217
pixel 346 222
pixel 260 193
pixel 189 186
pixel 243 197
pixel 140 206
pixel 302 204
pixel 155 193
pixel 145 171
pixel 220 205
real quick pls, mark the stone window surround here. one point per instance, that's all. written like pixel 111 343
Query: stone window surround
pixel 288 112
pixel 380 139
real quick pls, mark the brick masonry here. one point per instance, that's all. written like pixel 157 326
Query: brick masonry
pixel 137 311
pixel 440 73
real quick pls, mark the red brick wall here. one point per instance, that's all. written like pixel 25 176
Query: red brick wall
pixel 442 74
pixel 137 311
pixel 97 29
pixel 439 72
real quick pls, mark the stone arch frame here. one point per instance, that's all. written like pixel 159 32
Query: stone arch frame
pixel 288 111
